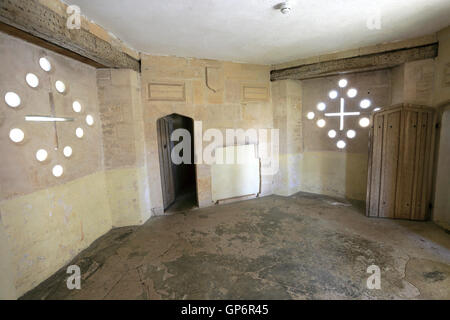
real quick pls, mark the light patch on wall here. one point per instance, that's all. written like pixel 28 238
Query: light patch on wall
pixel 79 132
pixel 45 64
pixel 32 80
pixel 351 134
pixel 332 134
pixel 352 93
pixel 58 170
pixel 12 99
pixel 321 123
pixel 333 94
pixel 341 144
pixel 16 135
pixel 89 120
pixel 41 155
pixel 67 151
pixel 343 83
pixel 364 122
pixel 366 103
pixel 76 106
pixel 60 86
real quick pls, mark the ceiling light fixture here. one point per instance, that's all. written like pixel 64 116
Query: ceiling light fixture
pixel 285 7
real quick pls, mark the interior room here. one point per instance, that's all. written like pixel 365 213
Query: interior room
pixel 198 149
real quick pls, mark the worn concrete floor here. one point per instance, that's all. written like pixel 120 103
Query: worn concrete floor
pixel 300 247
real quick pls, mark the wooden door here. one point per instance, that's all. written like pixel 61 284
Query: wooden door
pixel 165 163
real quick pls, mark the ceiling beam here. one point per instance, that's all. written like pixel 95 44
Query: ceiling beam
pixel 369 62
pixel 41 22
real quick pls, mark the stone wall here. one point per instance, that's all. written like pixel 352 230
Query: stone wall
pixel 46 221
pixel 223 95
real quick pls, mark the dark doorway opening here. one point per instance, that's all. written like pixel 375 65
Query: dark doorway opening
pixel 178 181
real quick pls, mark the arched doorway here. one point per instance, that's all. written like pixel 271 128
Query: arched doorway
pixel 178 181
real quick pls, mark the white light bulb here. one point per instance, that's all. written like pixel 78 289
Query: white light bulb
pixel 310 115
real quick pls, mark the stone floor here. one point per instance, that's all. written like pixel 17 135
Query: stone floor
pixel 299 247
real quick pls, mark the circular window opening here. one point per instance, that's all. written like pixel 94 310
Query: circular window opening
pixel 364 122
pixel 343 83
pixel 341 144
pixel 16 135
pixel 32 80
pixel 352 93
pixel 321 123
pixel 332 134
pixel 89 120
pixel 67 151
pixel 12 99
pixel 79 132
pixel 76 106
pixel 41 155
pixel 351 134
pixel 310 115
pixel 45 64
pixel 366 103
pixel 321 106
pixel 333 94
pixel 57 171
pixel 60 86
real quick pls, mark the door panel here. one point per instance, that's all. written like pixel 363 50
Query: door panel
pixel 389 164
pixel 165 147
pixel 407 165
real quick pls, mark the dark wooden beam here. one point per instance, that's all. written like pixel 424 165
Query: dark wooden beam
pixel 46 45
pixel 370 62
pixel 41 23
